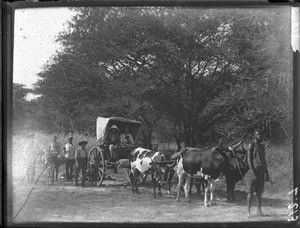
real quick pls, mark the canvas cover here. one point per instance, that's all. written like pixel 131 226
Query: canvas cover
pixel 103 124
pixel 101 127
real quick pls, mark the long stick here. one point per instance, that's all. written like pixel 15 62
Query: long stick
pixel 29 194
pixel 29 168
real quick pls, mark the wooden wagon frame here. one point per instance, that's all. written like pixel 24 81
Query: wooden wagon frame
pixel 99 161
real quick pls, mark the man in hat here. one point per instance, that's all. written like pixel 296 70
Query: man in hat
pixel 256 159
pixel 113 141
pixel 29 156
pixel 81 162
pixel 69 150
pixel 54 149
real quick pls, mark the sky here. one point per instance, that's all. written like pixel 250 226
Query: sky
pixel 35 32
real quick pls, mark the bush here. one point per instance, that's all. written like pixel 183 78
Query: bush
pixel 280 167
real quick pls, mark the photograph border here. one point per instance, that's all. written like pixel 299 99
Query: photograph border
pixel 8 35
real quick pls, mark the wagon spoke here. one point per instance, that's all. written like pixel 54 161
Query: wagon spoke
pixel 96 163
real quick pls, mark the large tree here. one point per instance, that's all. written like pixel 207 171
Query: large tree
pixel 183 65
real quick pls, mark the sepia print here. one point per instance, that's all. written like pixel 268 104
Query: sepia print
pixel 152 115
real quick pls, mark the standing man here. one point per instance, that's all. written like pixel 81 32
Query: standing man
pixel 69 150
pixel 54 149
pixel 259 173
pixel 81 162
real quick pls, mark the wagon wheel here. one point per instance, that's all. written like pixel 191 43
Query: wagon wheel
pixel 96 162
pixel 140 179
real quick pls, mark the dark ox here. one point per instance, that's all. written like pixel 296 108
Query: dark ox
pixel 207 163
pixel 143 161
pixel 238 168
pixel 170 171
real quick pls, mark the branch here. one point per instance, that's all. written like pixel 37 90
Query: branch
pixel 67 113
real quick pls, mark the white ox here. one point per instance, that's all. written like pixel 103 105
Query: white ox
pixel 143 161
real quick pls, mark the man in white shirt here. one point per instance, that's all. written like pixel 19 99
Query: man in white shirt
pixel 81 162
pixel 69 150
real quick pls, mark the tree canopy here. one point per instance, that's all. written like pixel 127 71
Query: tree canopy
pixel 189 74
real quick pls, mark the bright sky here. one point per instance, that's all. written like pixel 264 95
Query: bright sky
pixel 35 33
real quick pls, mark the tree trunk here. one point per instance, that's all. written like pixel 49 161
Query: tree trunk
pixel 150 147
pixel 178 142
pixel 189 136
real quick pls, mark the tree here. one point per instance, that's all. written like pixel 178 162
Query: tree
pixel 263 96
pixel 156 64
pixel 20 109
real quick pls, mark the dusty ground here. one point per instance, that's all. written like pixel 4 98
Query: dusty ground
pixel 113 202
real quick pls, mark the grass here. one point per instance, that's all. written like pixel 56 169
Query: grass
pixel 280 166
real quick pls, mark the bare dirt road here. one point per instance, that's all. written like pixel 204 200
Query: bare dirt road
pixel 113 202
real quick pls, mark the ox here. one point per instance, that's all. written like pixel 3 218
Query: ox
pixel 170 171
pixel 207 163
pixel 143 161
pixel 239 166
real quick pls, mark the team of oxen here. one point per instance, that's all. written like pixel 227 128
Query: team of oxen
pixel 203 166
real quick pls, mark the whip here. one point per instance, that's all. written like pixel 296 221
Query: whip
pixel 29 194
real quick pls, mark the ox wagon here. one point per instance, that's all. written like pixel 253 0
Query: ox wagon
pixel 99 160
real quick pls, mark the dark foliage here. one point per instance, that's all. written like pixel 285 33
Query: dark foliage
pixel 189 75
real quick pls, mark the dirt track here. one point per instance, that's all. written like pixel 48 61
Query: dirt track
pixel 114 202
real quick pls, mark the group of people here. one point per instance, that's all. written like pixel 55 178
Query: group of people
pixel 74 156
pixel 116 141
pixel 255 159
pixel 54 156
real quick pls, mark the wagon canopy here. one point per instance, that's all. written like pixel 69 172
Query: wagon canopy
pixel 103 124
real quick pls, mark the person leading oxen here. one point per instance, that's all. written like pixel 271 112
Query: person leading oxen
pixel 144 161
pixel 256 159
pixel 240 165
